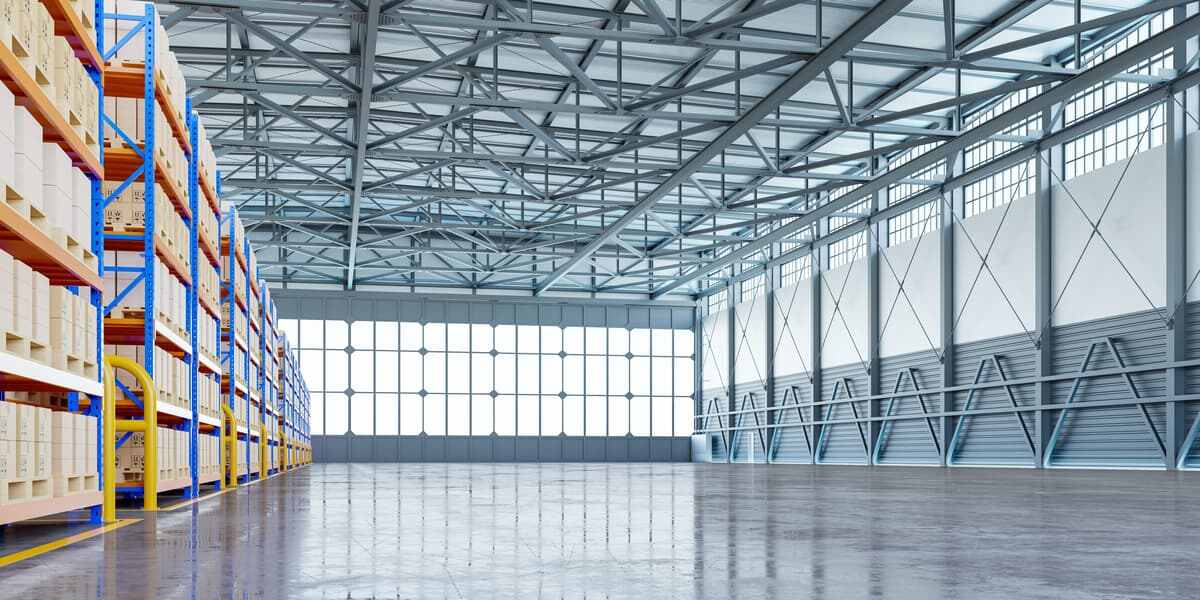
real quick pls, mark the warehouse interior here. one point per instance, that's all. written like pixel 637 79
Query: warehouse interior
pixel 604 299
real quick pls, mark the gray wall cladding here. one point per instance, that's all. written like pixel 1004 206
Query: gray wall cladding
pixel 1116 435
pixel 909 441
pixel 842 443
pixel 995 438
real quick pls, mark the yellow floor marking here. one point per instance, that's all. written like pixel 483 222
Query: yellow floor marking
pixel 186 503
pixel 17 557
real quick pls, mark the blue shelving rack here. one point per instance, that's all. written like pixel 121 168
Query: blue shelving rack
pixel 144 168
pixel 236 252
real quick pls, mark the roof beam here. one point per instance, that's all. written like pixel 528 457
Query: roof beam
pixel 1064 91
pixel 366 74
pixel 863 27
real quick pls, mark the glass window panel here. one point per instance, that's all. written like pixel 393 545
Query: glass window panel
pixel 573 340
pixel 337 414
pixel 618 341
pixel 410 336
pixel 435 372
pixel 685 377
pixel 618 375
pixel 362 335
pixel 552 423
pixel 458 337
pixel 596 408
pixel 362 371
pixel 312 333
pixel 481 415
pixel 410 372
pixel 595 340
pixel 639 415
pixel 481 338
pixel 685 342
pixel 527 374
pixel 362 414
pixel 387 372
pixel 552 374
pixel 684 418
pixel 435 414
pixel 527 415
pixel 481 373
pixel 551 339
pixel 506 415
pixel 312 367
pixel 528 338
pixel 572 382
pixel 337 366
pixel 387 335
pixel 506 373
pixel 316 423
pixel 410 414
pixel 597 375
pixel 572 409
pixel 661 418
pixel 661 342
pixel 639 376
pixel 661 376
pixel 639 342
pixel 291 329
pixel 337 335
pixel 618 415
pixel 435 336
pixel 458 414
pixel 458 366
pixel 387 414
pixel 506 338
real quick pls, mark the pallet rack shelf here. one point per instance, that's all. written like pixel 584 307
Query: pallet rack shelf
pixel 30 237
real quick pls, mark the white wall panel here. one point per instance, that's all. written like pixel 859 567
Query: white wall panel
pixel 750 343
pixel 715 345
pixel 984 313
pixel 1135 228
pixel 909 321
pixel 845 335
pixel 793 321
pixel 1193 217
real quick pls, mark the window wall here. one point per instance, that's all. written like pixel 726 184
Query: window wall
pixel 398 377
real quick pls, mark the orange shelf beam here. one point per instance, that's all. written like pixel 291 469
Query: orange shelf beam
pixel 34 247
pixel 55 128
pixel 209 189
pixel 68 25
pixel 160 247
pixel 120 163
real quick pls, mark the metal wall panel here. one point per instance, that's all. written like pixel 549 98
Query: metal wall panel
pixel 909 441
pixel 792 442
pixel 842 443
pixel 749 441
pixel 1110 436
pixel 995 439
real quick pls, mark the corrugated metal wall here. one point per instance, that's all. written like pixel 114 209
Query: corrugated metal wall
pixel 909 441
pixel 1110 436
pixel 995 438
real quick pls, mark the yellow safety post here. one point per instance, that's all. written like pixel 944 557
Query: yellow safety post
pixel 148 427
pixel 229 439
pixel 263 467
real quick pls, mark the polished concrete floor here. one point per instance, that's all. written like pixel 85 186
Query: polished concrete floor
pixel 651 531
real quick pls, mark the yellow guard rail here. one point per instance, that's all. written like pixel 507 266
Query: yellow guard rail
pixel 113 426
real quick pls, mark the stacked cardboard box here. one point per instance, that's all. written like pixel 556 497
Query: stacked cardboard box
pixel 171 375
pixel 208 286
pixel 72 332
pixel 73 454
pixel 127 213
pixel 172 455
pixel 208 391
pixel 206 334
pixel 129 115
pixel 170 295
pixel 75 94
pixel 26 444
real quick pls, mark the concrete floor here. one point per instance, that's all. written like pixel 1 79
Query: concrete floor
pixel 651 531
